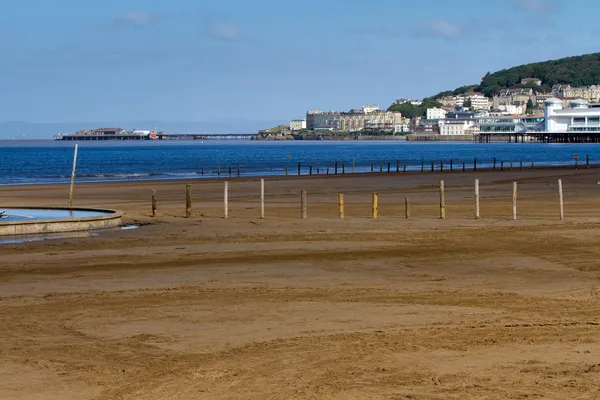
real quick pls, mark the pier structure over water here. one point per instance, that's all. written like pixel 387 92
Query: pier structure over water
pixel 538 137
pixel 121 134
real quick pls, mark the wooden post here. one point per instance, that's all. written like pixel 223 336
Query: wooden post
pixel 310 169
pixel 372 166
pixel 441 166
pixel 406 207
pixel 397 166
pixel 587 161
pixel 238 170
pixel 286 171
pixel 464 167
pixel 432 165
pixel 303 206
pixel 318 168
pixel 188 200
pixel 475 164
pixel 336 167
pixel 521 165
pixel 389 166
pixel 262 198
pixel 511 165
pixel 226 200
pixel 219 169
pixel 442 201
pixel 450 165
pixel 560 200
pixel 327 169
pixel 343 168
pixel 381 166
pixel 202 171
pixel 298 169
pixel 375 205
pixel 494 163
pixel 73 176
pixel 514 204
pixel 501 165
pixel 230 170
pixel 353 162
pixel 404 169
pixel 422 166
pixel 341 204
pixel 476 198
pixel 154 203
pixel 532 164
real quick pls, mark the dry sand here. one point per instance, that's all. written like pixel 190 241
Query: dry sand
pixel 283 308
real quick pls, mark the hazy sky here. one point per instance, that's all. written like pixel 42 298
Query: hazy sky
pixel 200 60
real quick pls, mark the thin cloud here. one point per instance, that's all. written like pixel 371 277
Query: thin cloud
pixel 440 28
pixel 225 30
pixel 538 6
pixel 137 19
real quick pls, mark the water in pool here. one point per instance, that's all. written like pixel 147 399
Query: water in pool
pixel 24 214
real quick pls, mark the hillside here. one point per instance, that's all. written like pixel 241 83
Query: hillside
pixel 581 70
pixel 577 71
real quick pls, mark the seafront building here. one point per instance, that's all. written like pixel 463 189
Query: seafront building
pixel 436 113
pixel 297 125
pixel 581 116
pixel 369 118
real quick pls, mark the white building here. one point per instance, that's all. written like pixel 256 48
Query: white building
pixel 297 124
pixel 436 113
pixel 457 127
pixel 581 116
pixel 369 108
pixel 479 101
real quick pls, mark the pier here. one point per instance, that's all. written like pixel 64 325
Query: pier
pixel 538 137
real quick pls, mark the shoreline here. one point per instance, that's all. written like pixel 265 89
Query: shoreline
pixel 457 169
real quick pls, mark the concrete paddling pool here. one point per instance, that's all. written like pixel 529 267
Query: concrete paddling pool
pixel 35 221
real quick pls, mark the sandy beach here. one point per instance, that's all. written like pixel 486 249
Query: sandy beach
pixel 322 308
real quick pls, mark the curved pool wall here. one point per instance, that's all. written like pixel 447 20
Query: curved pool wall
pixel 41 220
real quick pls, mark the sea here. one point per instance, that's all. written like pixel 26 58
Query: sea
pixel 41 162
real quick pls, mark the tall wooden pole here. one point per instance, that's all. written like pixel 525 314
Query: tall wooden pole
pixel 560 200
pixel 341 204
pixel 514 204
pixel 154 203
pixel 73 177
pixel 303 205
pixel 226 200
pixel 375 205
pixel 476 198
pixel 262 198
pixel 188 200
pixel 407 207
pixel 442 201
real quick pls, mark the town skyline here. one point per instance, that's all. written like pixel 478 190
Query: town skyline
pixel 142 61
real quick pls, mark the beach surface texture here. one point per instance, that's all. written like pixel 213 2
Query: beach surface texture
pixel 318 308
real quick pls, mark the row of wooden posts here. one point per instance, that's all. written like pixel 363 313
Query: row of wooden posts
pixel 340 167
pixel 341 203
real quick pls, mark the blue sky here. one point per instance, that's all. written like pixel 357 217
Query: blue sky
pixel 263 60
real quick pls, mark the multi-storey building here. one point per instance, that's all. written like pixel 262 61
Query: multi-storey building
pixel 478 101
pixel 355 120
pixel 436 113
pixel 297 124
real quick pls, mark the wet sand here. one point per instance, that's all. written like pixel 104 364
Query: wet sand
pixel 322 308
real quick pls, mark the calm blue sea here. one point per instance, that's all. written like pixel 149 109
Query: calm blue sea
pixel 26 162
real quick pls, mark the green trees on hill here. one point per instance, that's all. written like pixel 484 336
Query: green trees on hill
pixel 409 111
pixel 576 71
